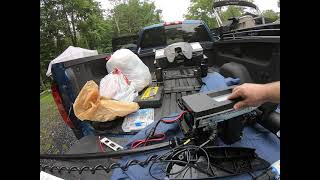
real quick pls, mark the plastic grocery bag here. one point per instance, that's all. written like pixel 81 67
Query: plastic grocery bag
pixel 89 105
pixel 132 67
pixel 69 54
pixel 116 86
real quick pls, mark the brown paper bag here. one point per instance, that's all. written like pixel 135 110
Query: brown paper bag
pixel 89 105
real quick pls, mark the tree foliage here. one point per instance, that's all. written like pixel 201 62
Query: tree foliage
pixel 81 23
pixel 271 15
pixel 202 9
pixel 131 15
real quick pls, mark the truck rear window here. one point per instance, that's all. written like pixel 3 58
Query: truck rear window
pixel 166 35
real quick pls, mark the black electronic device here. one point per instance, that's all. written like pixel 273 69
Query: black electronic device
pixel 212 111
pixel 151 97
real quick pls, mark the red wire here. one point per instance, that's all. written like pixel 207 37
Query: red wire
pixel 100 144
pixel 173 120
pixel 137 143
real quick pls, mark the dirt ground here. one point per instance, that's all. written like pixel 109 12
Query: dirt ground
pixel 55 135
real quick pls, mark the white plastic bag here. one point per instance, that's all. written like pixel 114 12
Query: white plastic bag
pixel 116 86
pixel 69 54
pixel 132 67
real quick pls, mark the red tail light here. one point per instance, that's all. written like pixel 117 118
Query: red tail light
pixel 172 23
pixel 58 101
pixel 167 23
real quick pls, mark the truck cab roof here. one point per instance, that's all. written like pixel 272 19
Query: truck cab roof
pixel 182 22
pixel 163 34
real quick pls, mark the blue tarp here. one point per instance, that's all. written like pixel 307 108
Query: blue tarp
pixel 267 145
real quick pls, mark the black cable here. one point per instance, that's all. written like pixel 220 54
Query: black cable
pixel 176 151
pixel 165 158
pixel 187 164
pixel 212 170
pixel 107 169
pixel 151 132
pixel 185 172
pixel 166 155
pixel 197 147
pixel 188 161
pixel 153 129
pixel 104 154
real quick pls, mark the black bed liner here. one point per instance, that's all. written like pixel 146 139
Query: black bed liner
pixel 169 103
pixel 81 70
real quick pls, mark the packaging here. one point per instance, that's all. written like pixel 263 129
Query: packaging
pixel 116 86
pixel 89 105
pixel 132 67
pixel 138 120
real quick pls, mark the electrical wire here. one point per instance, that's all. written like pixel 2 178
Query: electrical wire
pixel 167 120
pixel 155 138
pixel 188 161
pixel 100 144
pixel 170 155
pixel 151 135
pixel 173 120
pixel 185 172
pixel 191 153
pixel 99 155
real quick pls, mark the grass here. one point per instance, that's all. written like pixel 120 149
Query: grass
pixel 48 121
pixel 55 135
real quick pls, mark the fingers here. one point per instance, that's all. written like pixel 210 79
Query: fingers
pixel 235 89
pixel 240 105
pixel 235 94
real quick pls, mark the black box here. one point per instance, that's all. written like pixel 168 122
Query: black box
pixel 230 131
pixel 151 97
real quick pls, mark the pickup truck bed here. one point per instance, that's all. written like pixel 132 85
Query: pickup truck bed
pixel 88 144
pixel 77 72
pixel 259 56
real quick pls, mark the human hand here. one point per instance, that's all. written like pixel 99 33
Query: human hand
pixel 251 95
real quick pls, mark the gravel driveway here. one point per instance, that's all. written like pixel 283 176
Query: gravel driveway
pixel 55 135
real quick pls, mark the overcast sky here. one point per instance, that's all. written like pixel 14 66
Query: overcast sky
pixel 173 10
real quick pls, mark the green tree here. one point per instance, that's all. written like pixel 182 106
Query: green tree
pixel 71 22
pixel 81 23
pixel 202 9
pixel 131 15
pixel 271 15
pixel 232 11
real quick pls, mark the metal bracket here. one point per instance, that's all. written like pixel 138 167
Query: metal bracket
pixel 114 146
